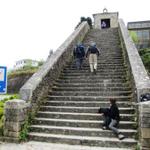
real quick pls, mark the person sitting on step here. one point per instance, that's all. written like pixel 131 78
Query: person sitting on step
pixel 112 118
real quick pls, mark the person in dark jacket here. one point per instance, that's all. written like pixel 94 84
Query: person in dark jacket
pixel 79 53
pixel 112 119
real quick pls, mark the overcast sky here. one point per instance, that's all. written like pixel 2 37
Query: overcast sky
pixel 30 28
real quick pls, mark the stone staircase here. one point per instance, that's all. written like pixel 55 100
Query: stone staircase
pixel 70 113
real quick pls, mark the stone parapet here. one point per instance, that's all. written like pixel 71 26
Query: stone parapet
pixel 144 123
pixel 15 113
pixel 133 60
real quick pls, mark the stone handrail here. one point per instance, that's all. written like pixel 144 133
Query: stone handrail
pixel 140 77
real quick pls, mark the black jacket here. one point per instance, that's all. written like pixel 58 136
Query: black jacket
pixel 114 112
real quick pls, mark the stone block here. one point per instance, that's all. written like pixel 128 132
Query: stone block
pixel 15 114
pixel 11 134
pixel 145 133
pixel 12 126
pixel 145 144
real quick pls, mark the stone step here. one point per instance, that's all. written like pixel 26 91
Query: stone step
pixel 103 99
pixel 98 73
pixel 90 103
pixel 104 65
pixel 101 70
pixel 80 123
pixel 93 77
pixel 83 140
pixel 80 109
pixel 91 93
pixel 77 89
pixel 92 132
pixel 92 81
pixel 104 84
pixel 83 116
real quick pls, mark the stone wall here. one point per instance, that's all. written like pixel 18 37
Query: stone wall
pixel 140 83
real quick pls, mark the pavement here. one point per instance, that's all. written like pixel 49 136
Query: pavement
pixel 49 146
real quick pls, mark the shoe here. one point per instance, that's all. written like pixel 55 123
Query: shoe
pixel 121 136
pixel 94 71
pixel 104 128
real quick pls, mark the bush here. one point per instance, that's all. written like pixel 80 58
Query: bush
pixel 145 56
pixel 1 112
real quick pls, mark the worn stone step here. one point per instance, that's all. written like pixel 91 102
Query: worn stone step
pixel 104 99
pixel 83 116
pixel 103 85
pixel 109 64
pixel 101 70
pixel 91 93
pixel 83 140
pixel 105 88
pixel 94 77
pixel 79 131
pixel 80 123
pixel 90 103
pixel 92 81
pixel 98 73
pixel 80 109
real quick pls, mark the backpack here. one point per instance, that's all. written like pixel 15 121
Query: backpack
pixel 145 97
pixel 77 50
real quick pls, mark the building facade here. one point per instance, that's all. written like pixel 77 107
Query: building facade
pixel 25 62
pixel 142 30
pixel 106 20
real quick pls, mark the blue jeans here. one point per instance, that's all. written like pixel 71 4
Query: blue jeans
pixel 79 62
pixel 113 125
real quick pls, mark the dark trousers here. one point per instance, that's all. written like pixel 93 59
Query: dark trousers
pixel 107 121
pixel 79 62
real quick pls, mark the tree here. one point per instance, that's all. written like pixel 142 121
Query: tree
pixel 134 36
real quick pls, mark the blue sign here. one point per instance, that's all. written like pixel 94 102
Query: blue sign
pixel 3 80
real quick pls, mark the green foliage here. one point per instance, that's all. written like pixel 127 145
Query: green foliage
pixel 145 55
pixel 137 147
pixel 1 125
pixel 134 36
pixel 24 132
pixel 1 111
pixel 40 63
pixel 23 71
